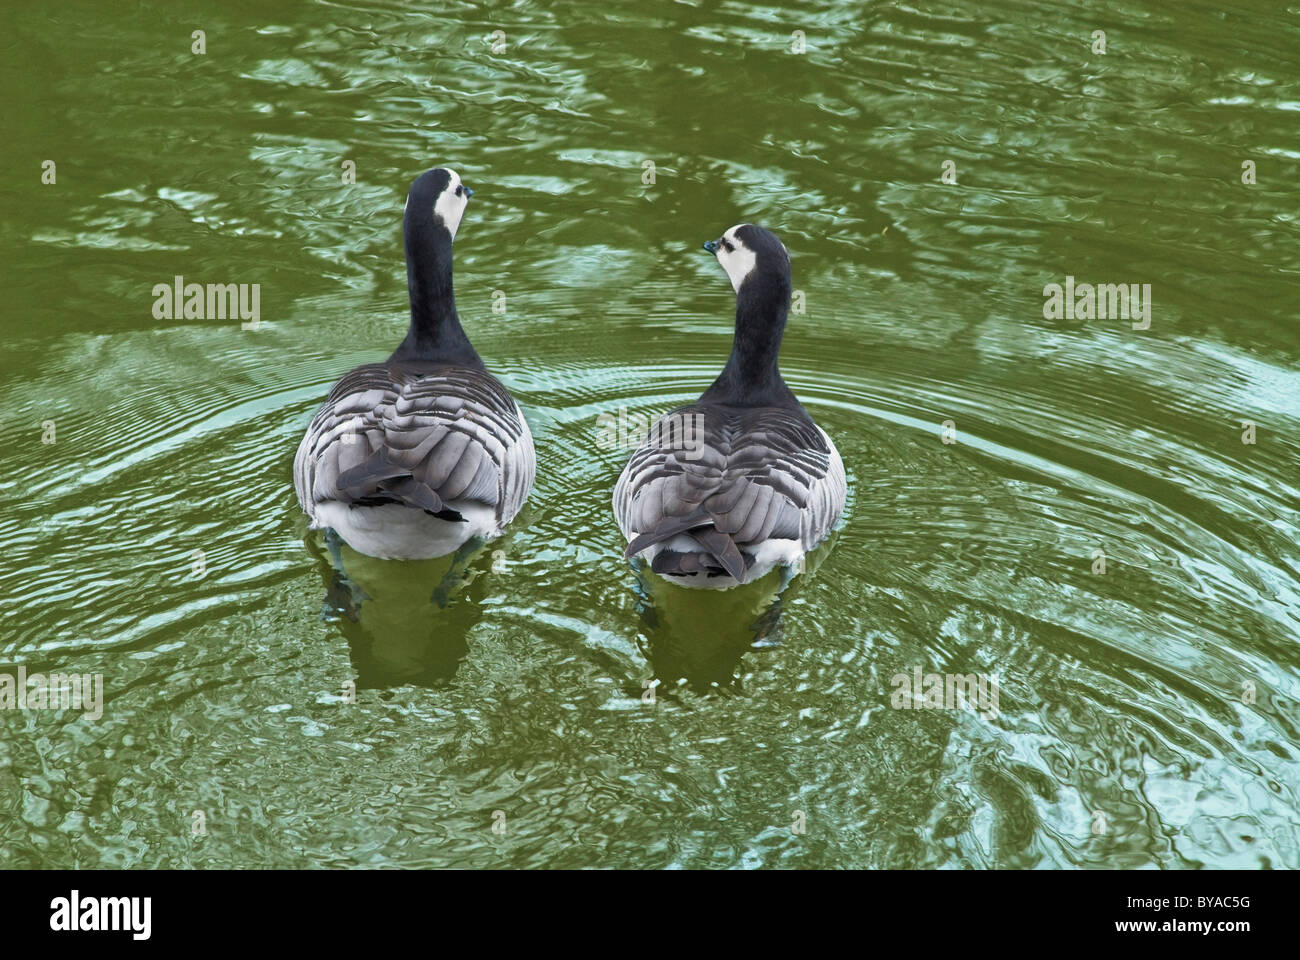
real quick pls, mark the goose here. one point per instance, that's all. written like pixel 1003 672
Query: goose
pixel 743 480
pixel 414 457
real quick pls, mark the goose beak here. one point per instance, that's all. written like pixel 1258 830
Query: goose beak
pixel 468 192
pixel 711 246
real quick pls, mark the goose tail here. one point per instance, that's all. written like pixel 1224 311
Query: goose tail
pixel 717 550
pixel 378 481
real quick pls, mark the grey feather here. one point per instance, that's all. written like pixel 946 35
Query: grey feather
pixel 760 473
pixel 420 435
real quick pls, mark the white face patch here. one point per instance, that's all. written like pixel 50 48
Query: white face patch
pixel 738 261
pixel 451 203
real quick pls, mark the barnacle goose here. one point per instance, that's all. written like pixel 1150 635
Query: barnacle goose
pixel 413 457
pixel 742 480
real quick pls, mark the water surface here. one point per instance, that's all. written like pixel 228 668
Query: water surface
pixel 1147 714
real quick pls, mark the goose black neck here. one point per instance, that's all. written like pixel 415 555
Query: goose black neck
pixel 435 334
pixel 752 376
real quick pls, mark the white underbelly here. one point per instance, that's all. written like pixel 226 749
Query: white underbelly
pixel 395 532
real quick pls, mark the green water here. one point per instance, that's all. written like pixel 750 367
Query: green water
pixel 1148 713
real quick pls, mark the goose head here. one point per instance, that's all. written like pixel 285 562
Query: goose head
pixel 748 252
pixel 441 192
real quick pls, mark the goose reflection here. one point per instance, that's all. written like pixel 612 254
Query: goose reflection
pixel 405 621
pixel 700 636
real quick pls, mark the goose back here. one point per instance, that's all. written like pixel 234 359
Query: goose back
pixel 422 435
pixel 757 476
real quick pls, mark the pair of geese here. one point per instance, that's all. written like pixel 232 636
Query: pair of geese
pixel 414 457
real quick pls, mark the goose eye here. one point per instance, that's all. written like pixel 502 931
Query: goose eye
pixel 459 189
pixel 727 244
